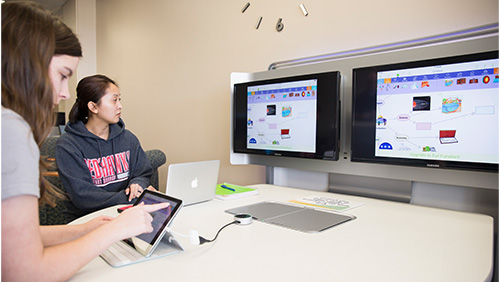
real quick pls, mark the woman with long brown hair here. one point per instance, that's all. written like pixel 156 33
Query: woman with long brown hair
pixel 39 55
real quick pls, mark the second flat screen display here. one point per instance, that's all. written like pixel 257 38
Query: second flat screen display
pixel 292 116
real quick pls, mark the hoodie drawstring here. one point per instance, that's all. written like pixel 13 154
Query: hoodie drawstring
pixel 113 155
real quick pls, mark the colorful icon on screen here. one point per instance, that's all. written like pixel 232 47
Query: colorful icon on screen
pixel 451 105
pixel 428 149
pixel 286 111
pixel 422 103
pixel 385 146
pixel 381 121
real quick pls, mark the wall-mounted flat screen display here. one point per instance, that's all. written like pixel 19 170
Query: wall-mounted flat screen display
pixel 292 116
pixel 433 113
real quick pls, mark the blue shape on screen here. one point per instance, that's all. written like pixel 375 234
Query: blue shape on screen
pixel 252 141
pixel 385 146
pixel 449 108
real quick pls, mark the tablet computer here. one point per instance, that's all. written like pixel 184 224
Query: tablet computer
pixel 146 243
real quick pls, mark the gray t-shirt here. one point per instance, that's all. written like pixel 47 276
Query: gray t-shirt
pixel 20 157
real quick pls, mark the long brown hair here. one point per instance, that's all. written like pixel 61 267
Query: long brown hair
pixel 31 36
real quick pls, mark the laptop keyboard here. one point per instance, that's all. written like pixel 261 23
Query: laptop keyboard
pixel 120 253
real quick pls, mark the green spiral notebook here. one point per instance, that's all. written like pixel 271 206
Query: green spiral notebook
pixel 226 191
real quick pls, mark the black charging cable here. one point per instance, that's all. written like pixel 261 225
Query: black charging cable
pixel 203 240
pixel 241 218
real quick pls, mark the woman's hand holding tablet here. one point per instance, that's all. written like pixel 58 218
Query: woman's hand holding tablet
pixel 136 220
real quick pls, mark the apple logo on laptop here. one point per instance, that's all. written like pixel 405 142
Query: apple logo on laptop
pixel 194 183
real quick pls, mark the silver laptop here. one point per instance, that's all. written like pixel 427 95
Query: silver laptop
pixel 193 182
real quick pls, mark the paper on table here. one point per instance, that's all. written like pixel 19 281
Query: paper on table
pixel 327 203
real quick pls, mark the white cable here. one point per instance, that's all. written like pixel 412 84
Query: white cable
pixel 196 239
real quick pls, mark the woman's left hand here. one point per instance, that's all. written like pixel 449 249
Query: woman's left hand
pixel 134 191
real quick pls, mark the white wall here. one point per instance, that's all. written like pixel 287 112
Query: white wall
pixel 173 59
pixel 80 16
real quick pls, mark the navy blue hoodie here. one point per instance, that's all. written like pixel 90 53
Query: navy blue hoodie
pixel 95 172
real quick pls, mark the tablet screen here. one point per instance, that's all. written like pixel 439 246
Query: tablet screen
pixel 145 243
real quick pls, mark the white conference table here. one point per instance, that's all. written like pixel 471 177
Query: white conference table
pixel 388 241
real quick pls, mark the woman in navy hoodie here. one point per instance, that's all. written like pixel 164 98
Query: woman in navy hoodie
pixel 100 163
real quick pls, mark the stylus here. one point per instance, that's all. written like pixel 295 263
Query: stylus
pixel 123 208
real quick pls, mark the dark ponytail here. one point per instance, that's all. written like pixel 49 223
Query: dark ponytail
pixel 89 89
